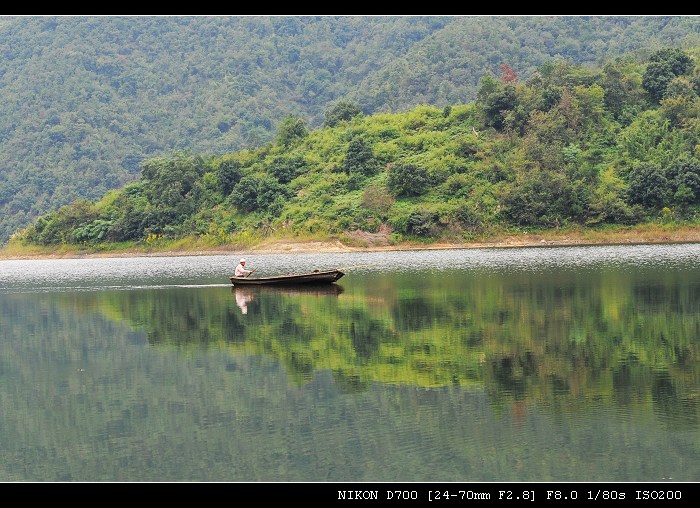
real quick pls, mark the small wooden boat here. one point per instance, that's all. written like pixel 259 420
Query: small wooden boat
pixel 315 277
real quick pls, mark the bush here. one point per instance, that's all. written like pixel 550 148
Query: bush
pixel 259 192
pixel 407 179
pixel 377 199
pixel 648 186
pixel 292 130
pixel 343 111
pixel 421 223
pixel 360 158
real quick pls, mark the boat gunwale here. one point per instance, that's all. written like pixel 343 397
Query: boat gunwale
pixel 325 276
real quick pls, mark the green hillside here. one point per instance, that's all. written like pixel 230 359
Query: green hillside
pixel 86 100
pixel 570 146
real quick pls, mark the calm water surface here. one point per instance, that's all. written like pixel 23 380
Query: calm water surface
pixel 482 365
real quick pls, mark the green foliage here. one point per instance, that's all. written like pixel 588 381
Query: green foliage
pixel 544 199
pixel 95 232
pixel 559 149
pixel 291 130
pixel 457 186
pixel 684 176
pixel 287 167
pixel 170 181
pixel 421 223
pixel 664 65
pixel 656 78
pixel 58 227
pixel 359 158
pixel 497 104
pixel 129 212
pixel 407 179
pixel 259 192
pixel 469 216
pixel 228 174
pixel 342 111
pixel 678 61
pixel 648 186
pixel 681 103
pixel 173 189
pixel 81 121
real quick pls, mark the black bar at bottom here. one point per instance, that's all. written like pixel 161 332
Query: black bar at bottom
pixel 499 493
pixel 352 493
pixel 456 493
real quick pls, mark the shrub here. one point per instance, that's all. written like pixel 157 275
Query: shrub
pixel 406 179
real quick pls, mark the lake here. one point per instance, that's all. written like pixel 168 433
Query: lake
pixel 562 364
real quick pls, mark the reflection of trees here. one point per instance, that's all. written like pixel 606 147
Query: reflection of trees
pixel 349 382
pixel 627 379
pixel 366 336
pixel 416 313
pixel 676 409
pixel 509 375
pixel 520 336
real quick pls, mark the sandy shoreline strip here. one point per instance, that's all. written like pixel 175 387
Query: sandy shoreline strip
pixel 316 247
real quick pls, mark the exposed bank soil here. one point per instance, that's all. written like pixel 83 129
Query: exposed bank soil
pixel 360 241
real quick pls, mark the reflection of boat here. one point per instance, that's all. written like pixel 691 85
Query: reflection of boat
pixel 294 279
pixel 250 292
pixel 243 297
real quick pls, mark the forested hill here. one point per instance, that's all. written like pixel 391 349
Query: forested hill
pixel 568 147
pixel 87 99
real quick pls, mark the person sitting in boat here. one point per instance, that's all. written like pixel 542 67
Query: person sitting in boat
pixel 241 270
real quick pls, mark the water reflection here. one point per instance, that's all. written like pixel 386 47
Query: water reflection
pixel 243 297
pixel 495 368
pixel 246 294
pixel 526 338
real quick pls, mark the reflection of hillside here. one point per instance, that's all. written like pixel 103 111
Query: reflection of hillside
pixel 552 339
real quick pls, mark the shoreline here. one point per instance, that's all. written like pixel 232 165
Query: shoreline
pixel 315 247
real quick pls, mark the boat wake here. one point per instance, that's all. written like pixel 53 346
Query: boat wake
pixel 114 287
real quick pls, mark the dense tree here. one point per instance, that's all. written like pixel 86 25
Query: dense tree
pixel 359 158
pixel 421 223
pixel 648 186
pixel 406 179
pixel 684 176
pixel 497 101
pixel 679 61
pixel 58 227
pixel 228 174
pixel 544 199
pixel 657 76
pixel 287 167
pixel 664 65
pixel 171 185
pixel 342 111
pixel 291 130
pixel 259 193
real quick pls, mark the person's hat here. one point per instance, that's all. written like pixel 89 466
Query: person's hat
pixel 242 260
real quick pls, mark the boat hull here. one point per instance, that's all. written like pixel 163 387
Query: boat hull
pixel 316 277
